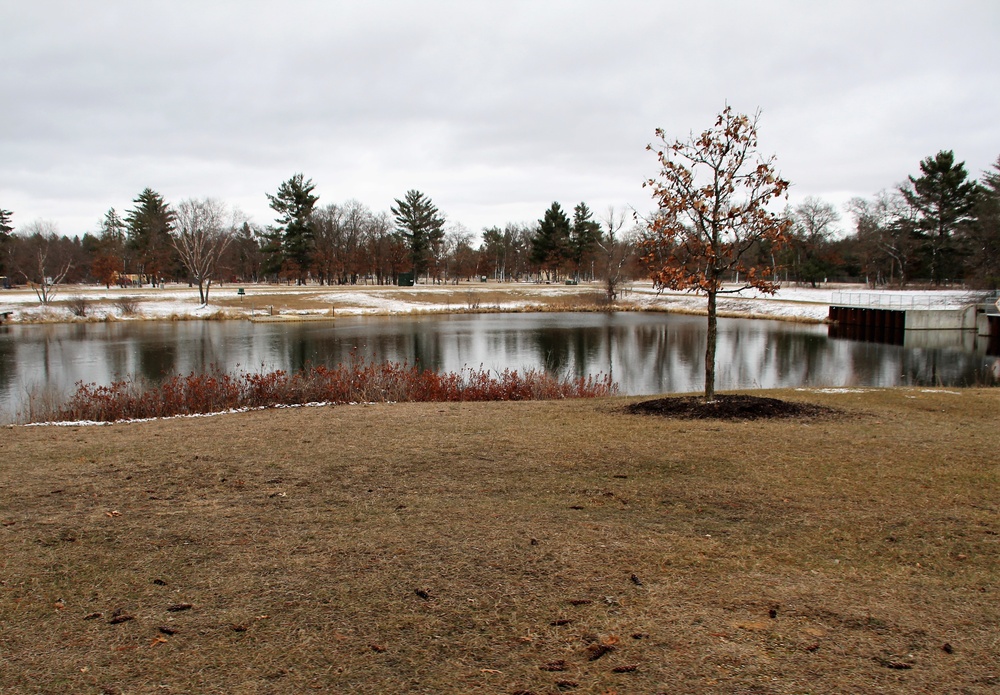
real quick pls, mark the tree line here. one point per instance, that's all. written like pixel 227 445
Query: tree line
pixel 939 227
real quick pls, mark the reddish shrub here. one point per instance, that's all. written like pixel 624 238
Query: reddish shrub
pixel 358 381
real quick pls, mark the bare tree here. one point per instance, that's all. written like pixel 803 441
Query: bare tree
pixel 201 235
pixel 617 249
pixel 884 229
pixel 40 259
pixel 712 195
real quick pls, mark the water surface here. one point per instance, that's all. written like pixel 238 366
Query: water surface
pixel 646 353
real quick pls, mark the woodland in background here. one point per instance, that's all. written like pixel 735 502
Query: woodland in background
pixel 939 228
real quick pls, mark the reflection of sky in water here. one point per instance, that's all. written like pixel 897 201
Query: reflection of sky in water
pixel 645 353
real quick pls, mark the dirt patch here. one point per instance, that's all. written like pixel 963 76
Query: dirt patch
pixel 728 407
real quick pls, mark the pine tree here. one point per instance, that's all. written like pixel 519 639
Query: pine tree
pixel 943 200
pixel 983 237
pixel 420 223
pixel 551 246
pixel 6 228
pixel 6 224
pixel 150 223
pixel 584 236
pixel 292 239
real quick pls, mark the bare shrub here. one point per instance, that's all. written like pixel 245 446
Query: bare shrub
pixel 78 306
pixel 129 306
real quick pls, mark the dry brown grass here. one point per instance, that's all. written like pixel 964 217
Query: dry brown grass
pixel 475 548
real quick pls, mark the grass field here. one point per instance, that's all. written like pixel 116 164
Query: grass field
pixel 539 547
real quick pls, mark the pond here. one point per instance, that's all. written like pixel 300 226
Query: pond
pixel 645 353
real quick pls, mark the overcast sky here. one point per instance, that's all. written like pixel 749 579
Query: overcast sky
pixel 492 109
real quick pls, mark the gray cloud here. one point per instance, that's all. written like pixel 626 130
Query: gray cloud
pixel 493 110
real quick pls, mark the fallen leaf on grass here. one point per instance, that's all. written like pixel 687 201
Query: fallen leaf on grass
pixel 92 616
pixel 157 640
pixel 377 648
pixel 489 670
pixel 113 513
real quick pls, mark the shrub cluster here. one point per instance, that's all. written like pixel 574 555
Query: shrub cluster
pixel 358 381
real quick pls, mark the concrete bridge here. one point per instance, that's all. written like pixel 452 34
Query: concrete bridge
pixel 888 316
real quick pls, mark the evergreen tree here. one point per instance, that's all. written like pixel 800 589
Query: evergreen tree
pixel 108 257
pixel 984 236
pixel 150 223
pixel 943 200
pixel 551 246
pixel 6 224
pixel 292 239
pixel 6 228
pixel 584 236
pixel 420 223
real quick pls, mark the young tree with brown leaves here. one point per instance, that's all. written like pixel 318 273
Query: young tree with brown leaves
pixel 712 196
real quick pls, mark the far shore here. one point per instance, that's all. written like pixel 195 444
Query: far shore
pixel 91 303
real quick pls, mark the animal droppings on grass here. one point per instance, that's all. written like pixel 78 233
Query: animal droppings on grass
pixel 377 648
pixel 580 601
pixel 422 594
pixel 177 607
pixel 561 622
pixel 635 580
pixel 119 619
pixel 159 582
pixel 92 616
pixel 167 630
pixel 567 685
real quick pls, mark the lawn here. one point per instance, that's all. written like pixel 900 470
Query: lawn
pixel 534 547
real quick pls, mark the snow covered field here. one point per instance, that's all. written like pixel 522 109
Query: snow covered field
pixel 181 302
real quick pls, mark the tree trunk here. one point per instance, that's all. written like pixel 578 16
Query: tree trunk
pixel 710 348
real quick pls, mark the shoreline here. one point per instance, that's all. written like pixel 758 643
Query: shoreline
pixel 89 304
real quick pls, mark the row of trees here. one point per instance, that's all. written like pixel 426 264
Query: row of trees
pixel 939 227
pixel 204 241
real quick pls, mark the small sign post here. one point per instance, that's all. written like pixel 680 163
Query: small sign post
pixel 241 292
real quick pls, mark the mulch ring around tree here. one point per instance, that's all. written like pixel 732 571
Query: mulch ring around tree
pixel 727 407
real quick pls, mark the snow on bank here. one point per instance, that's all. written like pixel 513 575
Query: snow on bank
pixel 181 302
